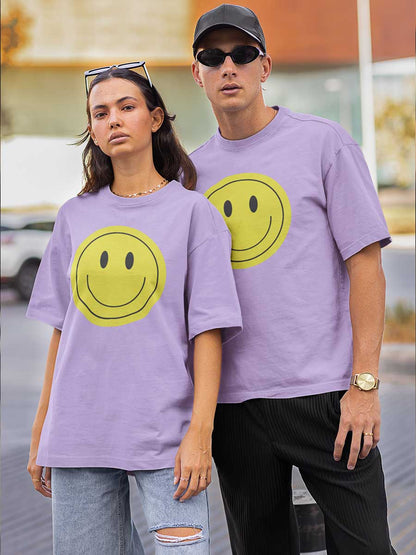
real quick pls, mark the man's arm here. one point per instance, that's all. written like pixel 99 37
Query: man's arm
pixel 360 410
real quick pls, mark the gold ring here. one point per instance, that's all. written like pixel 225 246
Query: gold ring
pixel 368 434
pixel 184 479
pixel 36 480
pixel 203 478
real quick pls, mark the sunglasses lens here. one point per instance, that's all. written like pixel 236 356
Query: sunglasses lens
pixel 211 57
pixel 244 54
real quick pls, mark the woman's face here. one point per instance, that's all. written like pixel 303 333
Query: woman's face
pixel 120 122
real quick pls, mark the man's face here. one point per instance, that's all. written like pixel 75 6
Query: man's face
pixel 231 87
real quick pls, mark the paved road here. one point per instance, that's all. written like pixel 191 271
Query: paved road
pixel 26 515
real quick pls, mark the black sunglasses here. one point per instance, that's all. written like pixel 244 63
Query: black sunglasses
pixel 129 65
pixel 213 57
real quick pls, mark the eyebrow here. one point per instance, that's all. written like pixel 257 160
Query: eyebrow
pixel 119 101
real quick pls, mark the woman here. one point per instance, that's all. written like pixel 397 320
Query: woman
pixel 137 266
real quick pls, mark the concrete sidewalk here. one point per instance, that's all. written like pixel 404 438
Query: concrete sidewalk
pixel 26 518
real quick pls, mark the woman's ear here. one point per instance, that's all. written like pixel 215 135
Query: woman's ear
pixel 157 119
pixel 93 137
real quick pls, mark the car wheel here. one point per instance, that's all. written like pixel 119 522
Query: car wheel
pixel 26 278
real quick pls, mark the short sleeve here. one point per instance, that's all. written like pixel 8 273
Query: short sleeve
pixel 210 289
pixel 354 212
pixel 51 291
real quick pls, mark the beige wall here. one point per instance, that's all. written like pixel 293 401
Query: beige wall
pixel 49 101
pixel 298 32
pixel 105 31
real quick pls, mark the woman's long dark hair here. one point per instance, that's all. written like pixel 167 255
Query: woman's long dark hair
pixel 169 157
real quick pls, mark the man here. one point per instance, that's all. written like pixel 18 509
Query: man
pixel 299 385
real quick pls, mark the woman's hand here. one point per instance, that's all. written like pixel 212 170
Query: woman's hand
pixel 193 461
pixel 42 484
pixel 193 464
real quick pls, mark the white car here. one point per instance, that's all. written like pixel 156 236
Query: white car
pixel 23 241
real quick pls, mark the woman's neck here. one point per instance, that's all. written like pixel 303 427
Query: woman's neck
pixel 132 175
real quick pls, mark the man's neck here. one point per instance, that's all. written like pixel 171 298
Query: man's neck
pixel 242 124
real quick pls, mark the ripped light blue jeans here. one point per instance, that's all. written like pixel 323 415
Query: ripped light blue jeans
pixel 91 513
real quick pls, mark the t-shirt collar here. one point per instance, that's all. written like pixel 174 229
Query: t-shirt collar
pixel 137 201
pixel 238 144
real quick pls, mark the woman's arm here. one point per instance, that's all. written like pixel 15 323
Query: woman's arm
pixel 194 461
pixel 35 470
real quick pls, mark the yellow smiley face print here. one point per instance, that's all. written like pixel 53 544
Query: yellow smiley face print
pixel 257 212
pixel 117 276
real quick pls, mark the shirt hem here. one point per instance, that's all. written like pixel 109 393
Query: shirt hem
pixel 284 393
pixel 45 318
pixel 231 329
pixel 63 461
pixel 375 236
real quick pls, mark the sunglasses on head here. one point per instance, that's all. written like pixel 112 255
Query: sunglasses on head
pixel 213 57
pixel 129 65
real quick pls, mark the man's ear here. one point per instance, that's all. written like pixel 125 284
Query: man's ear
pixel 266 64
pixel 157 119
pixel 196 74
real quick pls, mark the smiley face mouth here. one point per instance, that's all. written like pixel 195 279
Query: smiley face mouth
pixel 114 305
pixel 258 242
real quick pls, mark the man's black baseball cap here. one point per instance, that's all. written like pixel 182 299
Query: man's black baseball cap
pixel 230 15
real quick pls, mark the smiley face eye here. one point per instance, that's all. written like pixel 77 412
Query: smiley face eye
pixel 129 260
pixel 228 208
pixel 253 203
pixel 104 259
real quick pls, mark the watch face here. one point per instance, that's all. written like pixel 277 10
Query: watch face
pixel 366 381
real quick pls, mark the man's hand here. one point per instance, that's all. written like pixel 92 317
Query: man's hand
pixel 360 414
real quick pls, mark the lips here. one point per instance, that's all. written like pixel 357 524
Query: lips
pixel 115 136
pixel 230 87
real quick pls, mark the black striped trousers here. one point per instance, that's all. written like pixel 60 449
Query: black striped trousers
pixel 255 444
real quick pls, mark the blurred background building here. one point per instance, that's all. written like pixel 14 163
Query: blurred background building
pixel 48 44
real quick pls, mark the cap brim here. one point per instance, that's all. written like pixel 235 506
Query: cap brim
pixel 222 26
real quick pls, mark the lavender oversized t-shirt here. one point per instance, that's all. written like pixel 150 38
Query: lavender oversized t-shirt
pixel 129 282
pixel 298 200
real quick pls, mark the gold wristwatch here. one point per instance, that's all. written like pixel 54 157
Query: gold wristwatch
pixel 365 381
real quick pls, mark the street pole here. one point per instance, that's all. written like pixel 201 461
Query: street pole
pixel 366 86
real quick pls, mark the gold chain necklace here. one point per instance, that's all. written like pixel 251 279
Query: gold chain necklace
pixel 161 184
